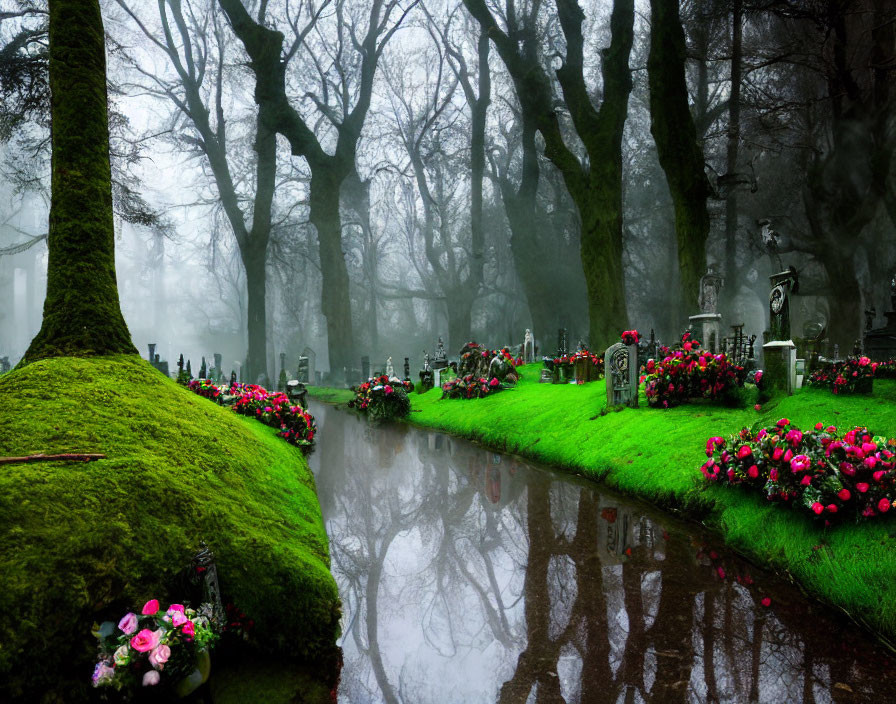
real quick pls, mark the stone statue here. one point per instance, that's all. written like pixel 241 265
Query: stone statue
pixel 440 352
pixel 426 366
pixel 528 347
pixel 710 284
pixel 390 372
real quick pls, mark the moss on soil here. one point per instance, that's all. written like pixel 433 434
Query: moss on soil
pixel 656 455
pixel 83 542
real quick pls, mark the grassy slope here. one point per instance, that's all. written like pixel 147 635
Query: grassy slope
pixel 657 454
pixel 86 541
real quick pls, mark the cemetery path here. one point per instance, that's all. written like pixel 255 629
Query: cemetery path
pixel 470 576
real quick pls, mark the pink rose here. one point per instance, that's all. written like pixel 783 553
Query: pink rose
pixel 150 607
pixel 753 472
pixel 883 505
pixel 178 619
pixel 862 487
pixel 843 494
pixel 159 656
pixel 783 423
pixel 151 678
pixel 189 629
pixel 176 607
pixel 744 452
pixel 146 640
pixel 128 623
pixel 800 463
pixel 817 508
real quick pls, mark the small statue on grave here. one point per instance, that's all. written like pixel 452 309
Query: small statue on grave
pixel 440 352
pixel 710 285
pixel 390 371
pixel 426 366
pixel 870 315
pixel 528 347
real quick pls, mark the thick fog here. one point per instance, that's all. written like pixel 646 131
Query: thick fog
pixel 395 182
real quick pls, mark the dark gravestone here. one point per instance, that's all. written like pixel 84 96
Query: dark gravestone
pixel 880 344
pixel 784 285
pixel 302 370
pixel 219 372
pixel 621 373
pixel 407 369
pixel 202 370
pixel 365 367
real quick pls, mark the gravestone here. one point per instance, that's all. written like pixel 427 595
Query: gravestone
pixel 302 372
pixel 202 370
pixel 232 377
pixel 621 373
pixel 780 366
pixel 708 321
pixel 152 352
pixel 528 347
pixel 407 369
pixel 281 380
pixel 547 376
pixel 562 342
pixel 365 367
pixel 880 344
pixel 311 356
pixel 784 285
pixel 219 371
pixel 441 360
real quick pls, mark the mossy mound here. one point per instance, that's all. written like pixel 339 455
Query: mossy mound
pixel 83 542
pixel 656 454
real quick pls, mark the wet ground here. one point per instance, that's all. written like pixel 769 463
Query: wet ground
pixel 469 576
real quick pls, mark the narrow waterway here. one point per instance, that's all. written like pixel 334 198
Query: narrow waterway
pixel 468 576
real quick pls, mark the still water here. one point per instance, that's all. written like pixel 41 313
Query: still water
pixel 469 576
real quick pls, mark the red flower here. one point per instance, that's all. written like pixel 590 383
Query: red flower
pixel 844 495
pixel 817 508
pixel 766 602
pixel 883 505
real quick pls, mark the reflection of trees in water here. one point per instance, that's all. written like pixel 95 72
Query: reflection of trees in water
pixel 584 599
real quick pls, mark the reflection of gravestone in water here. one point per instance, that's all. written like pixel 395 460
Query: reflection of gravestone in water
pixel 621 374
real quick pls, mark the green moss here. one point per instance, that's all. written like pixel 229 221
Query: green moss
pixel 656 455
pixel 330 395
pixel 268 681
pixel 81 542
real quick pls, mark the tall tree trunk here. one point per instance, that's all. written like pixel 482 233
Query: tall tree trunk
pixel 82 314
pixel 335 300
pixel 460 313
pixel 597 190
pixel 733 146
pixel 680 155
pixel 256 289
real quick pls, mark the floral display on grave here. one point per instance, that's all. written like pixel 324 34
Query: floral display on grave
pixel 689 372
pixel 853 376
pixel 886 370
pixel 155 647
pixel 383 397
pixel 630 337
pixel 819 471
pixel 482 372
pixel 294 423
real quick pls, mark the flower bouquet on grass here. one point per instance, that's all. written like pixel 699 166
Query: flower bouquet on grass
pixel 206 389
pixel 854 376
pixel 156 647
pixel 472 387
pixel 383 398
pixel 295 424
pixel 819 471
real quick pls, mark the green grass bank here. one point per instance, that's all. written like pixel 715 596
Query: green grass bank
pixel 85 542
pixel 656 455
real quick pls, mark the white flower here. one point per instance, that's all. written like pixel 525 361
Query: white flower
pixel 121 656
pixel 151 678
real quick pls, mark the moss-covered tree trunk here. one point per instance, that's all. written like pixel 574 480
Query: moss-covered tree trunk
pixel 680 155
pixel 82 314
pixel 335 300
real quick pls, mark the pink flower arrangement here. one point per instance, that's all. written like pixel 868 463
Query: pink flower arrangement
pixel 854 376
pixel 630 337
pixel 818 470
pixel 383 398
pixel 687 373
pixel 167 643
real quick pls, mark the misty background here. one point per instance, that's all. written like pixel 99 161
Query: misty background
pixel 226 235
